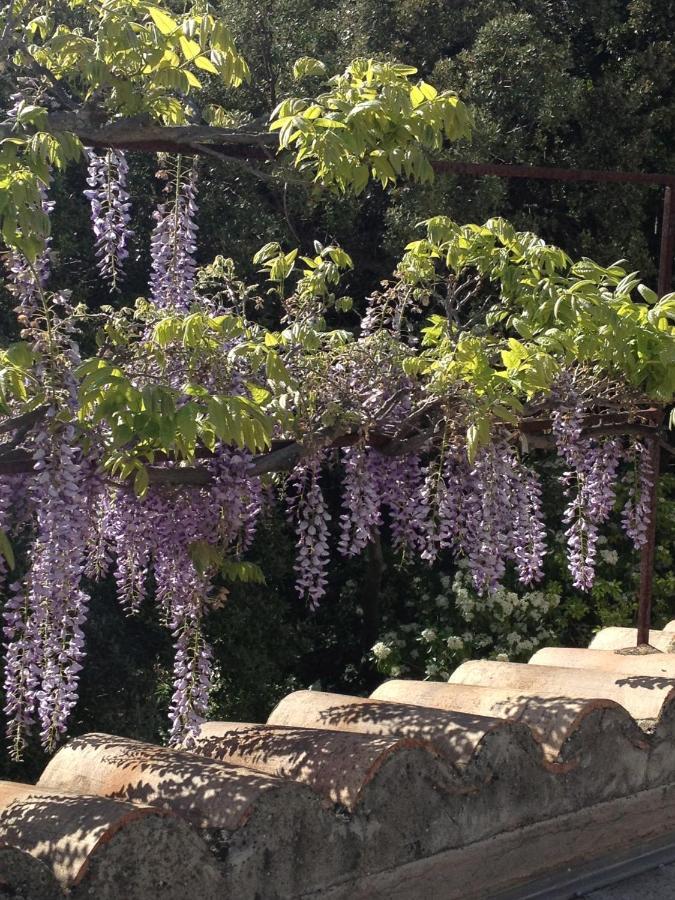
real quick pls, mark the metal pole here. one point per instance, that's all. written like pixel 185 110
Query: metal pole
pixel 665 284
pixel 549 173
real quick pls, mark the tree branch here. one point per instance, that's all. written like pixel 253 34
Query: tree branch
pixel 283 458
pixel 26 420
pixel 133 134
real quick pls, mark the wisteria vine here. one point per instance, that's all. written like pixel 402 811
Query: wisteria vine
pixel 167 544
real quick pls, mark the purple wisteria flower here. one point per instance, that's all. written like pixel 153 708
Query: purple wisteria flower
pixel 491 513
pixel 487 520
pixel 636 512
pixel 308 507
pixel 401 487
pixel 236 498
pixel 192 674
pixel 590 480
pixel 44 618
pixel 360 501
pixel 157 533
pixel 527 529
pixel 126 526
pixel 173 246
pixel 110 206
pixel 6 516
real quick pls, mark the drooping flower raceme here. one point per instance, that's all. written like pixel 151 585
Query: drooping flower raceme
pixel 182 592
pixel 401 480
pixel 6 498
pixel 235 500
pixel 46 613
pixel 454 492
pixel 157 533
pixel 486 521
pixel 110 206
pixel 126 527
pixel 589 479
pixel 173 245
pixel 360 501
pixel 636 512
pixel 491 512
pixel 192 670
pixel 527 529
pixel 308 507
pixel 226 516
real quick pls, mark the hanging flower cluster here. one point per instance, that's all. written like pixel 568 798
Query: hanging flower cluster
pixel 157 534
pixel 528 532
pixel 110 211
pixel 174 243
pixel 401 488
pixel 635 514
pixel 590 481
pixel 471 516
pixel 44 616
pixel 6 513
pixel 307 507
pixel 360 500
pixel 84 527
pixel 461 508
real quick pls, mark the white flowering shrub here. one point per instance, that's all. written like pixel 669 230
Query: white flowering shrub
pixel 455 624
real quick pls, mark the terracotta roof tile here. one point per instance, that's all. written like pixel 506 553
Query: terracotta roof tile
pixel 336 789
pixel 456 736
pixel 236 809
pixel 652 670
pixel 642 698
pixel 337 765
pixel 208 794
pixel 551 717
pixel 90 844
pixel 616 638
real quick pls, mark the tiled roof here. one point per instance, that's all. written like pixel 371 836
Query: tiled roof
pixel 346 797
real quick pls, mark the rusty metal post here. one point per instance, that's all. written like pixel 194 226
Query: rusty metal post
pixel 647 552
pixel 667 243
pixel 665 284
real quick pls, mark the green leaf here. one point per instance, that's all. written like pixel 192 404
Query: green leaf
pixel 276 370
pixel 205 556
pixel 245 572
pixel 306 66
pixel 190 48
pixel 186 423
pixel 202 62
pixel 6 549
pixel 162 20
pixel 259 394
pixel 20 355
pixel 647 294
pixel 141 481
pixel 220 419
